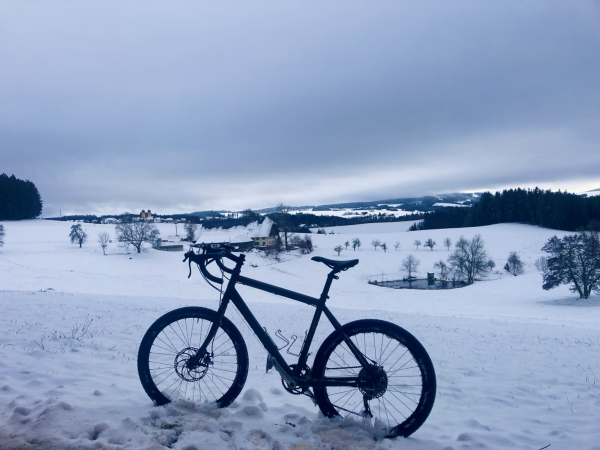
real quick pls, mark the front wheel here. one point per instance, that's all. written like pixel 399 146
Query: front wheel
pixel 396 391
pixel 171 342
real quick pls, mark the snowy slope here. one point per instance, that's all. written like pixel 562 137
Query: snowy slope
pixel 517 366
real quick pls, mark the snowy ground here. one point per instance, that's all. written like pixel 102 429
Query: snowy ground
pixel 517 367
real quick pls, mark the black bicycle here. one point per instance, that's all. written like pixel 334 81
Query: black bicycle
pixel 367 368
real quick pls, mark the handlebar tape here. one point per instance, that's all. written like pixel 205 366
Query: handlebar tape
pixel 201 260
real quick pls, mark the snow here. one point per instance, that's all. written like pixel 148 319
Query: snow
pixel 517 366
pixel 589 193
pixel 260 230
pixel 458 204
pixel 354 212
pixel 234 235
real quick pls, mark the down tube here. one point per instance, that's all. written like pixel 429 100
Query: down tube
pixel 258 330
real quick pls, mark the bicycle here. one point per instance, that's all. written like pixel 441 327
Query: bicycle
pixel 198 354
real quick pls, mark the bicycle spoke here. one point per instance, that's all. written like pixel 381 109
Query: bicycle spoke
pixel 396 397
pixel 392 405
pixel 349 398
pixel 177 334
pixel 343 396
pixel 169 344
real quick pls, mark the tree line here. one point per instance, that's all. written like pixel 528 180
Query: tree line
pixel 557 210
pixel 19 199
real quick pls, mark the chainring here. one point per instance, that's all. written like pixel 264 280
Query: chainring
pixel 297 390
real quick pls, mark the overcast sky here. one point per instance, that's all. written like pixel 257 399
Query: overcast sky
pixel 110 106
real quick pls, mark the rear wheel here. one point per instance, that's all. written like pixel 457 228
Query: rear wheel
pixel 397 390
pixel 171 342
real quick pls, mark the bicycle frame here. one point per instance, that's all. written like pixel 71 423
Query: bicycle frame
pixel 291 376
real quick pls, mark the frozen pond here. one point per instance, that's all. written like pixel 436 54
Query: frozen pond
pixel 420 284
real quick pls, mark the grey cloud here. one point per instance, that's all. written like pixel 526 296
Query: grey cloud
pixel 134 103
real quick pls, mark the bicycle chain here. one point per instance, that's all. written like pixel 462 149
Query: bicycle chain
pixel 343 368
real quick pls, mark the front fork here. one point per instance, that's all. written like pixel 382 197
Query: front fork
pixel 195 360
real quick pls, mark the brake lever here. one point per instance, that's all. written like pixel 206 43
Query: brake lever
pixel 189 260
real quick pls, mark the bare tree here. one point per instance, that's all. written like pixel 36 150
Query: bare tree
pixel 410 265
pixel 283 220
pixel 443 268
pixel 346 244
pixel 2 234
pixel 429 243
pixel 356 243
pixel 294 240
pixel 338 249
pixel 397 245
pixel 417 243
pixel 136 233
pixel 77 234
pixel 103 239
pixel 190 231
pixel 541 264
pixel 574 260
pixel 375 243
pixel 305 245
pixel 447 243
pixel 514 265
pixel 469 259
pixel 384 246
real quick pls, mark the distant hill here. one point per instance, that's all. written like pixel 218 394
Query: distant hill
pixel 425 203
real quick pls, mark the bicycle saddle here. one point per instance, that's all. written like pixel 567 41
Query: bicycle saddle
pixel 336 265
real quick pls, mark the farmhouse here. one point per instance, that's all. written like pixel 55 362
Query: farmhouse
pixel 263 235
pixel 236 236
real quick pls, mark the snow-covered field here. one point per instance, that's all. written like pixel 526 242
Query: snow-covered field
pixel 517 367
pixel 350 212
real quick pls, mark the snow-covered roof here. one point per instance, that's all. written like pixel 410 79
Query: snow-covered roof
pixel 235 235
pixel 257 230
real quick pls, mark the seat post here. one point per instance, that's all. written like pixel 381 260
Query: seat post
pixel 330 277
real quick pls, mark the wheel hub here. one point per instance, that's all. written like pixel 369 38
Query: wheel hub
pixel 188 373
pixel 373 382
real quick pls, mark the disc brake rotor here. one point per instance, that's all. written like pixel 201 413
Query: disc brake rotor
pixel 191 374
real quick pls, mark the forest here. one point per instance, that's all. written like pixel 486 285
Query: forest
pixel 19 199
pixel 557 210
